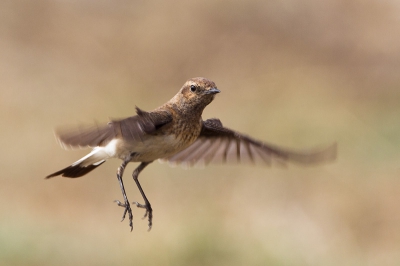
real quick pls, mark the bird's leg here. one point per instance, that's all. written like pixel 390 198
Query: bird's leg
pixel 146 205
pixel 126 204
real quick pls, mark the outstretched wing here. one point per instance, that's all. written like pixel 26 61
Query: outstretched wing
pixel 132 129
pixel 219 144
pixel 84 136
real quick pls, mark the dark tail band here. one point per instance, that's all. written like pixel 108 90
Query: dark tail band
pixel 74 171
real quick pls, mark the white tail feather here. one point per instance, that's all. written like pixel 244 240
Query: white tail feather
pixel 95 157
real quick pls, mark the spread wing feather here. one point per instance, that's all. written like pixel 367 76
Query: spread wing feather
pixel 131 129
pixel 217 144
pixel 85 136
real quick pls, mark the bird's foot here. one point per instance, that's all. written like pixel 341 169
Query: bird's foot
pixel 148 214
pixel 128 210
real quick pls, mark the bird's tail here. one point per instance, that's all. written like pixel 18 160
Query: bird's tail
pixel 83 165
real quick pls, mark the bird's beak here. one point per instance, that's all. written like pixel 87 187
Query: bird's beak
pixel 213 91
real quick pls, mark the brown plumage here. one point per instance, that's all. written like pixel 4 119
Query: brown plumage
pixel 176 133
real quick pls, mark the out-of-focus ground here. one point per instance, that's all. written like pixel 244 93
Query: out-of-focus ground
pixel 293 73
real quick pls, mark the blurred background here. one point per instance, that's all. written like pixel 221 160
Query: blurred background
pixel 294 73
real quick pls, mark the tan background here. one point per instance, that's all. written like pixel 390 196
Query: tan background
pixel 293 73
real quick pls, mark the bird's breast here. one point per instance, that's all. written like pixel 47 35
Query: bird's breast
pixel 186 133
pixel 155 147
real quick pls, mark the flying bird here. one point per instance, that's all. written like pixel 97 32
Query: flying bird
pixel 174 132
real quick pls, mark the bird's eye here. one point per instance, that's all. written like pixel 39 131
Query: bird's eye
pixel 193 88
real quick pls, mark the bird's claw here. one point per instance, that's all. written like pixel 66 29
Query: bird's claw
pixel 128 210
pixel 148 213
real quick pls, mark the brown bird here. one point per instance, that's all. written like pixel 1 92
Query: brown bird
pixel 174 132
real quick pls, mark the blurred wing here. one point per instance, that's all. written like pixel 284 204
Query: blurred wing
pixel 132 129
pixel 85 136
pixel 217 144
pixel 135 127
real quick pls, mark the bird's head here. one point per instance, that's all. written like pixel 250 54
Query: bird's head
pixel 195 94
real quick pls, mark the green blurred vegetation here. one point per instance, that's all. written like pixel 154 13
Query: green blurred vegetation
pixel 297 74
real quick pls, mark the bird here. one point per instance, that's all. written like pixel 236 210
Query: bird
pixel 176 133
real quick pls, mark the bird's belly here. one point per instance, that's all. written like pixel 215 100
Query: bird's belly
pixel 152 148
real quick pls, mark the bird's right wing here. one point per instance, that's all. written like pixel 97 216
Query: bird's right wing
pixel 132 128
pixel 220 144
pixel 84 136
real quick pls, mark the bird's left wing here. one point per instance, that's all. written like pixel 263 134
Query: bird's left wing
pixel 220 144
